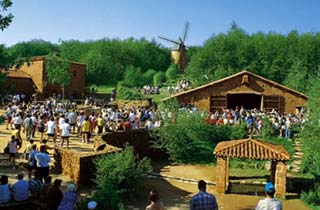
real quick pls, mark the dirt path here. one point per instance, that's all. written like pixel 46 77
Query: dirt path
pixel 177 194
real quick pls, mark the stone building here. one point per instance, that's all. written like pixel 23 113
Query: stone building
pixel 31 78
pixel 243 88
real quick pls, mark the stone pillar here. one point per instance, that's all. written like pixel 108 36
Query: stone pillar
pixel 221 175
pixel 281 179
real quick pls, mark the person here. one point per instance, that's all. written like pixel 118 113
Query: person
pixel 203 200
pixel 92 205
pixel 54 195
pixel 43 160
pixel 9 116
pixel 154 199
pixel 28 126
pixel 13 150
pixel 44 189
pixel 32 163
pixel 85 130
pixel 28 149
pixel 269 203
pixel 20 189
pixel 41 126
pixel 100 124
pixel 5 195
pixel 69 198
pixel 35 185
pixel 65 132
pixel 73 120
pixel 51 126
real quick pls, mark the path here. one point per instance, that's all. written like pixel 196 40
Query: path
pixel 297 158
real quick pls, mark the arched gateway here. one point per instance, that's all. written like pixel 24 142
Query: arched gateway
pixel 252 149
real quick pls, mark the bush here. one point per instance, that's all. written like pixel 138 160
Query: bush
pixel 121 170
pixel 159 78
pixel 188 138
pixel 106 195
pixel 133 77
pixel 148 76
pixel 172 72
pixel 312 197
pixel 126 93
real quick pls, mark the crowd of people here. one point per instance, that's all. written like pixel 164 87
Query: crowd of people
pixel 46 194
pixel 148 89
pixel 282 123
pixel 182 85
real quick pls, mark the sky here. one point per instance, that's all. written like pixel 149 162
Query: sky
pixel 56 20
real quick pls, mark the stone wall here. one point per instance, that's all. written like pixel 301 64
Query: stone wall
pixel 139 139
pixel 79 166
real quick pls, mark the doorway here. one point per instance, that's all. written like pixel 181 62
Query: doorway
pixel 248 100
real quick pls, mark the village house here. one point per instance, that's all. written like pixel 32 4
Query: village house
pixel 31 78
pixel 243 89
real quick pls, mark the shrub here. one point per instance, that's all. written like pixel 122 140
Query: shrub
pixel 159 78
pixel 172 72
pixel 148 76
pixel 312 197
pixel 188 138
pixel 133 77
pixel 121 170
pixel 126 93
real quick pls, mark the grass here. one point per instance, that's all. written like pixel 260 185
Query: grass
pixel 102 88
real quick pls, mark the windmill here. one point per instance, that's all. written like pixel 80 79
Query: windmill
pixel 178 52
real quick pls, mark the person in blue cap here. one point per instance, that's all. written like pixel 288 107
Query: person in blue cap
pixel 269 203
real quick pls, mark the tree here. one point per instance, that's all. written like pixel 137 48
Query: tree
pixel 310 143
pixel 5 19
pixel 297 77
pixel 148 76
pixel 159 78
pixel 57 69
pixel 133 77
pixel 36 47
pixel 172 72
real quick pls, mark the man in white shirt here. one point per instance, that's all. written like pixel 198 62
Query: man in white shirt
pixel 269 203
pixel 51 126
pixel 65 132
pixel 20 189
pixel 73 120
pixel 17 121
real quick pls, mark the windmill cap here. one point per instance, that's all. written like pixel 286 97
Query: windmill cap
pixel 269 187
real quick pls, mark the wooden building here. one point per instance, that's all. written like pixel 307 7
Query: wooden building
pixel 243 89
pixel 31 78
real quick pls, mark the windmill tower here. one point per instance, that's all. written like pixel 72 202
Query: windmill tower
pixel 178 52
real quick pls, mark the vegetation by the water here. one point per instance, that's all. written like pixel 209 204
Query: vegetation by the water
pixel 118 173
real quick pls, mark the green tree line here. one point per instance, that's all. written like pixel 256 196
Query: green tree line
pixel 290 59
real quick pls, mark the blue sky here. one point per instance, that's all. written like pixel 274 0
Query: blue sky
pixel 55 20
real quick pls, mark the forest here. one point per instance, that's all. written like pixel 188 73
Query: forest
pixel 290 59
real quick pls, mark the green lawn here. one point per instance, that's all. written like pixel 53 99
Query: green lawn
pixel 102 88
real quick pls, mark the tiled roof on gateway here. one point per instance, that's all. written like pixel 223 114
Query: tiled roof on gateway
pixel 251 148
